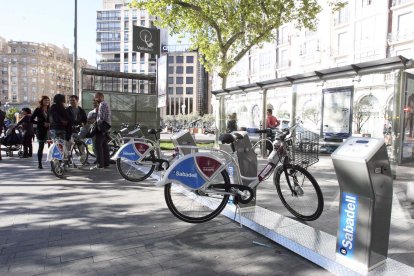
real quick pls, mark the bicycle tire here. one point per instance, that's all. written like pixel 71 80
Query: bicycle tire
pixel 307 205
pixel 193 206
pixel 79 153
pixel 57 168
pixel 133 171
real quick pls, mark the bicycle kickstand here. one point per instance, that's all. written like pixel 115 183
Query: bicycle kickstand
pixel 238 211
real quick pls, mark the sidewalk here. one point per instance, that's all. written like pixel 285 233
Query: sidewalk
pixel 99 224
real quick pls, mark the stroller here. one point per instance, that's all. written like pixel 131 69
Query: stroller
pixel 12 142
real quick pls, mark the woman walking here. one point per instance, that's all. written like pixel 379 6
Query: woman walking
pixel 40 119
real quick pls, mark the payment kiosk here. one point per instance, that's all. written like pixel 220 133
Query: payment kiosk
pixel 365 181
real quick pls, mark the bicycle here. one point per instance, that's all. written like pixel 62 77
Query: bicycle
pixel 197 186
pixel 116 139
pixel 140 157
pixel 60 158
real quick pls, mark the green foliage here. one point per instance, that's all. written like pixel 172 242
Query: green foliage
pixel 223 31
pixel 10 114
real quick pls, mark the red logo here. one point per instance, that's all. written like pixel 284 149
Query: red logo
pixel 207 165
pixel 141 148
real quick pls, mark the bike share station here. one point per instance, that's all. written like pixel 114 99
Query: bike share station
pixel 361 244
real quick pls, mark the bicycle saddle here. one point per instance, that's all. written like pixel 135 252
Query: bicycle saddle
pixel 237 135
pixel 227 138
pixel 154 131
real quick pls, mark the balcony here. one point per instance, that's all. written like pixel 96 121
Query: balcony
pixel 399 2
pixel 400 36
pixel 110 60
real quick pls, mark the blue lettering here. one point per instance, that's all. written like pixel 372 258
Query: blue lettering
pixel 347 227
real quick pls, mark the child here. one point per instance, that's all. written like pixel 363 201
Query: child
pixel 28 132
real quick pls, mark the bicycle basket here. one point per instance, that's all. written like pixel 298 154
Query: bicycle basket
pixel 304 149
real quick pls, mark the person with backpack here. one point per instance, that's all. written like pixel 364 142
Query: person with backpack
pixel 41 120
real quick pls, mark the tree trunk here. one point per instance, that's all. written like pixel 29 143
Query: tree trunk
pixel 223 82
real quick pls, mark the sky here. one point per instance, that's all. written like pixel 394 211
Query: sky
pixel 51 21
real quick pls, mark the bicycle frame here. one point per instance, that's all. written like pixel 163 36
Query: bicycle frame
pixel 139 149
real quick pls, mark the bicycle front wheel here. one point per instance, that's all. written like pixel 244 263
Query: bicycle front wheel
pixel 195 206
pixel 303 198
pixel 135 171
pixel 80 153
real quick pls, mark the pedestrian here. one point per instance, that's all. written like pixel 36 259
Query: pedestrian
pixel 2 119
pixel 232 123
pixel 271 121
pixel 28 132
pixel 103 120
pixel 76 112
pixel 91 118
pixel 59 119
pixel 41 120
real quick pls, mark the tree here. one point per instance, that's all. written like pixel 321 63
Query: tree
pixel 312 114
pixel 362 113
pixel 223 31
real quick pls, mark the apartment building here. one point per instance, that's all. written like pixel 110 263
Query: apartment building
pixel 114 40
pixel 30 70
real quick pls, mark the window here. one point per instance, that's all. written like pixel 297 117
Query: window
pixel 189 69
pixel 142 22
pixel 170 90
pixel 170 80
pixel 190 59
pixel 179 70
pixel 179 80
pixel 189 80
pixel 170 59
pixel 342 43
pixel 178 90
pixel 179 59
pixel 170 70
pixel 189 90
pixel 404 24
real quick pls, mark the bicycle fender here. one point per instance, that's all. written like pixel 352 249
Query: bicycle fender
pixel 55 152
pixel 193 170
pixel 133 151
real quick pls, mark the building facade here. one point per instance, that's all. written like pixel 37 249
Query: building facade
pixel 187 85
pixel 114 39
pixel 362 31
pixel 30 70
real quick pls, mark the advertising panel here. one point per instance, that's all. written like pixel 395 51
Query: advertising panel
pixel 408 122
pixel 336 112
pixel 162 81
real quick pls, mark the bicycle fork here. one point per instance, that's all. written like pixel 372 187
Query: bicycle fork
pixel 296 189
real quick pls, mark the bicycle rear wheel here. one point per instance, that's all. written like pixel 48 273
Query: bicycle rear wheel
pixel 135 171
pixel 196 206
pixel 306 200
pixel 79 153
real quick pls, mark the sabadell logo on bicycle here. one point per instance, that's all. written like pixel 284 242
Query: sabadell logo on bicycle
pixel 128 153
pixel 184 174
